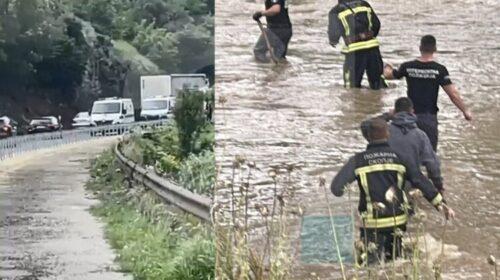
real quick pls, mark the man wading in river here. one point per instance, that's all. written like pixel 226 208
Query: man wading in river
pixel 424 76
pixel 410 142
pixel 279 30
pixel 380 174
pixel 357 23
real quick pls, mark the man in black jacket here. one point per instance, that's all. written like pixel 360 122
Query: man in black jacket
pixel 356 22
pixel 381 173
pixel 279 30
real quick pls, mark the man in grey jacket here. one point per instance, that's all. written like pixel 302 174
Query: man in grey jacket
pixel 411 143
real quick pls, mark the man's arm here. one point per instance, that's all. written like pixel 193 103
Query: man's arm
pixel 374 20
pixel 455 97
pixel 344 177
pixel 335 28
pixel 390 73
pixel 419 181
pixel 430 161
pixel 430 193
pixel 273 10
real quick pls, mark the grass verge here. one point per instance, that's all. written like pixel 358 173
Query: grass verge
pixel 152 240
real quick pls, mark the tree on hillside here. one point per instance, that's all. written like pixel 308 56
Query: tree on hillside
pixel 65 49
pixel 29 32
pixel 176 35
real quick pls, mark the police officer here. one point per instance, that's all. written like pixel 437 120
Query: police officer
pixel 380 174
pixel 424 76
pixel 356 22
pixel 279 30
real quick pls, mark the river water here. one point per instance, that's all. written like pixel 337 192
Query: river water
pixel 299 113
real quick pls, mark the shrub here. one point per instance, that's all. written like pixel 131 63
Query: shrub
pixel 168 164
pixel 196 260
pixel 190 118
pixel 197 173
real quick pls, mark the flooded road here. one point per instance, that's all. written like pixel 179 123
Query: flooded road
pixel 299 112
pixel 46 231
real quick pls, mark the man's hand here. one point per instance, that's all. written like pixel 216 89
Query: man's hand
pixel 388 70
pixel 388 116
pixel 391 113
pixel 257 15
pixel 468 115
pixel 448 212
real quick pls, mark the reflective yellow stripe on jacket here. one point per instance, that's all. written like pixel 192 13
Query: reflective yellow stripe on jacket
pixel 368 218
pixel 343 16
pixel 437 200
pixel 388 222
pixel 380 167
pixel 361 46
pixel 360 9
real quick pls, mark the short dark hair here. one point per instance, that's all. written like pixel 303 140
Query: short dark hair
pixel 374 129
pixel 403 104
pixel 428 44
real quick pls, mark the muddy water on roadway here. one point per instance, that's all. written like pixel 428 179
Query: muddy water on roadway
pixel 299 112
pixel 46 231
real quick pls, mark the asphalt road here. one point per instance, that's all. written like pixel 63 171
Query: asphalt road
pixel 46 230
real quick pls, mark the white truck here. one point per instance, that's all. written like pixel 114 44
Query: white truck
pixel 112 110
pixel 158 93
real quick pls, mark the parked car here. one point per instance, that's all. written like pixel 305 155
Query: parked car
pixel 44 124
pixel 82 119
pixel 8 127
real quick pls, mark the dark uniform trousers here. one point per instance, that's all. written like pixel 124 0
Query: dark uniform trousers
pixel 387 243
pixel 357 62
pixel 279 37
pixel 429 124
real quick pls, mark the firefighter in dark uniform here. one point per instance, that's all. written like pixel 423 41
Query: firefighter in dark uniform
pixel 381 174
pixel 356 22
pixel 279 30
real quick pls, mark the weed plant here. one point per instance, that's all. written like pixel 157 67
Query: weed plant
pixel 239 254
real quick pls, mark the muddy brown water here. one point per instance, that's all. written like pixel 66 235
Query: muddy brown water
pixel 299 112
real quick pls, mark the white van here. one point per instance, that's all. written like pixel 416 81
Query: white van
pixel 155 108
pixel 112 111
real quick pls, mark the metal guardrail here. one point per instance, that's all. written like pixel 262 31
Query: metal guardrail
pixel 180 197
pixel 10 147
pixel 192 203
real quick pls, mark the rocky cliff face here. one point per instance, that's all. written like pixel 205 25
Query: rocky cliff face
pixel 113 68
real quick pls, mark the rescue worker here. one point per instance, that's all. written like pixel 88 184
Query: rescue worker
pixel 423 77
pixel 279 30
pixel 411 143
pixel 356 22
pixel 380 173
